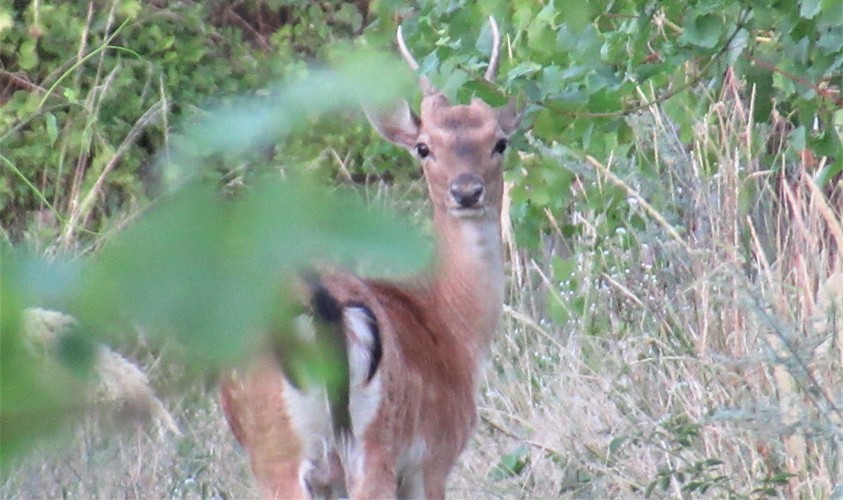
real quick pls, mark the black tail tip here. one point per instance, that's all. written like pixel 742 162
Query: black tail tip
pixel 325 306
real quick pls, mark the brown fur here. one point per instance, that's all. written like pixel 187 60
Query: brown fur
pixel 434 331
pixel 253 404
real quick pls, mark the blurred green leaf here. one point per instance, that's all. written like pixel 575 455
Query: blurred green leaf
pixel 365 78
pixel 703 30
pixel 214 272
pixel 760 81
pixel 39 393
pixel 809 8
pixel 52 127
pixel 6 20
pixel 27 54
pixel 511 464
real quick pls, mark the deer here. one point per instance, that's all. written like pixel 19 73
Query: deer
pixel 413 350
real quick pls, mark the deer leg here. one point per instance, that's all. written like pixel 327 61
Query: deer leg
pixel 411 485
pixel 372 473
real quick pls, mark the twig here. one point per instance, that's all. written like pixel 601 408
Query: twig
pixel 641 201
pixel 667 95
pixel 21 82
pixel 496 427
pixel 78 216
pixel 833 94
pixel 238 19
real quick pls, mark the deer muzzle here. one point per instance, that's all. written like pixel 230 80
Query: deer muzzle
pixel 467 193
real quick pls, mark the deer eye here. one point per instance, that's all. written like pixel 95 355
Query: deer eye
pixel 500 146
pixel 422 150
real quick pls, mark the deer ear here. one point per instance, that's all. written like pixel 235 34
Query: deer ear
pixel 509 117
pixel 399 126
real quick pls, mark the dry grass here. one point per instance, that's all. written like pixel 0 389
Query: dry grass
pixel 99 462
pixel 699 361
pixel 705 361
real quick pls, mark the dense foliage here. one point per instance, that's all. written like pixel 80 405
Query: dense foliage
pixel 103 85
pixel 110 107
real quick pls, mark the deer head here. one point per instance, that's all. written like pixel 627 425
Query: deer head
pixel 460 147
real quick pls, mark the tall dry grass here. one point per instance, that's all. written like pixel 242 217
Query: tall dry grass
pixel 702 354
pixel 708 359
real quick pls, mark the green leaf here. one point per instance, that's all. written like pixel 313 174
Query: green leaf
pixel 70 94
pixel 577 14
pixel 827 174
pixel 563 269
pixel 39 392
pixel 214 273
pixel 131 8
pixel 616 444
pixel 523 69
pixel 703 31
pixel 546 125
pixel 831 11
pixel 363 78
pixel 779 478
pixel 760 81
pixel 825 143
pixel 809 8
pixel 798 138
pixel 738 45
pixel 349 14
pixel 511 464
pixel 52 128
pixel 27 54
pixel 6 20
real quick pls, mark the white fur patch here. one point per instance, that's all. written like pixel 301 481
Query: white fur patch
pixel 361 343
pixel 484 237
pixel 410 472
pixel 309 409
pixel 365 396
pixel 310 417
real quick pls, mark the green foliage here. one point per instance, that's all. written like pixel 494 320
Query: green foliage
pixel 103 87
pixel 587 72
pixel 511 464
pixel 581 67
pixel 701 477
pixel 578 69
pixel 210 270
pixel 37 396
pixel 107 107
pixel 676 436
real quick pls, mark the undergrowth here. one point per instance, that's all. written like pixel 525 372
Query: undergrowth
pixel 690 346
pixel 698 362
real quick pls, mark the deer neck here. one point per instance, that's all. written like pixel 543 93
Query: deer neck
pixel 467 283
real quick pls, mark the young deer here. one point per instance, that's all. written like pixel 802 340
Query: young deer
pixel 414 350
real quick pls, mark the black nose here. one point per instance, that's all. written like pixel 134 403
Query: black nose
pixel 467 190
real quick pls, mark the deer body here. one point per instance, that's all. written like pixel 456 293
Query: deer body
pixel 415 349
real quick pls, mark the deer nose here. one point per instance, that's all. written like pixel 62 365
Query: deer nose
pixel 467 190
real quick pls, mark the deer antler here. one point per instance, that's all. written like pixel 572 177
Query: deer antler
pixel 491 70
pixel 427 87
pixel 405 51
pixel 494 59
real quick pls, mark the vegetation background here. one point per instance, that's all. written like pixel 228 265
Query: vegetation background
pixel 673 323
